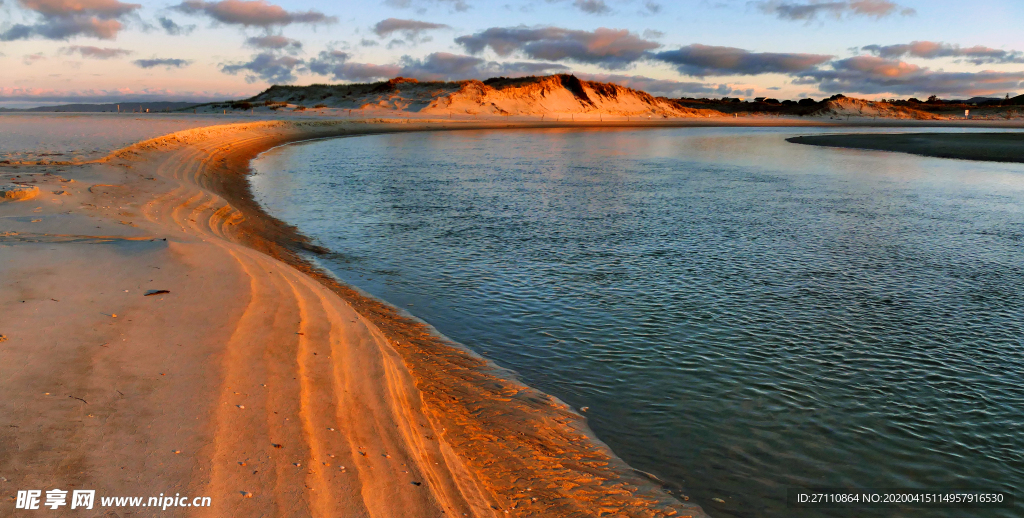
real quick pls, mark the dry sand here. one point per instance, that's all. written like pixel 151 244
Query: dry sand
pixel 257 380
pixel 996 147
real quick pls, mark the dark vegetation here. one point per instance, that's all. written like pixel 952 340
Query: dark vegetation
pixel 767 105
pixel 980 106
pixel 126 107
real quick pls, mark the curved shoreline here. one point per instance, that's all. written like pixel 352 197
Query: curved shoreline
pixel 474 400
pixel 520 451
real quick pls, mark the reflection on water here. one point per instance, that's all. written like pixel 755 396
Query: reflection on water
pixel 88 136
pixel 741 315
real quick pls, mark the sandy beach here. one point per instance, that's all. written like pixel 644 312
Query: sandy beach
pixel 161 334
pixel 254 379
pixel 563 259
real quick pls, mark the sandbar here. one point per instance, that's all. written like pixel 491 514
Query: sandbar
pixel 994 147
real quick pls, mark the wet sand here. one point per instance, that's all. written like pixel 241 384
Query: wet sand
pixel 995 147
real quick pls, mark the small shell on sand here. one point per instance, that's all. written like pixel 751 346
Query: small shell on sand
pixel 13 192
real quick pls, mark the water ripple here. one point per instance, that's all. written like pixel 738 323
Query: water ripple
pixel 740 314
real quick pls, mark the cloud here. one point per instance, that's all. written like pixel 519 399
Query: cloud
pixel 275 42
pixel 651 7
pixel 520 68
pixel 162 62
pixel 601 7
pixel 266 66
pixel 65 28
pixel 443 66
pixel 977 54
pixel 439 66
pixel 172 27
pixel 95 52
pixel 659 87
pixel 103 8
pixel 252 13
pixel 410 28
pixel 592 6
pixel 395 43
pixel 322 63
pixel 455 5
pixel 326 58
pixel 810 9
pixel 364 71
pixel 64 19
pixel 31 59
pixel 706 60
pixel 607 48
pixel 335 63
pixel 876 75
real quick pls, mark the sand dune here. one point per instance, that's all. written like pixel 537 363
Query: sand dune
pixel 846 107
pixel 559 96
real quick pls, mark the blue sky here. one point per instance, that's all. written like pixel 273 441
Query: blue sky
pixel 102 50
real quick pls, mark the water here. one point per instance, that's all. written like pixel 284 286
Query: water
pixel 742 315
pixel 88 136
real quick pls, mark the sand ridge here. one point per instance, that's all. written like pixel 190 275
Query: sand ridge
pixel 525 451
pixel 320 417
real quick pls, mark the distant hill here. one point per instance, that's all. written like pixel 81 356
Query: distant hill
pixel 557 95
pixel 979 100
pixel 127 106
pixel 990 101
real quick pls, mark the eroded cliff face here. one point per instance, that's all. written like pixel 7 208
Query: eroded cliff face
pixel 556 95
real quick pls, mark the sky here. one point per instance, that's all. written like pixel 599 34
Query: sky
pixel 64 51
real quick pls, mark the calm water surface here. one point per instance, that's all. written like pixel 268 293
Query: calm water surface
pixel 70 136
pixel 742 315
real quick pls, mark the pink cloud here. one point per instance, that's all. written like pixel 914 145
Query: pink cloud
pixel 252 13
pixel 64 19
